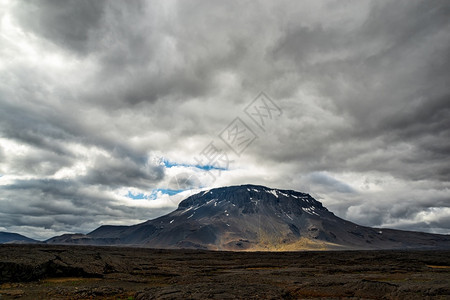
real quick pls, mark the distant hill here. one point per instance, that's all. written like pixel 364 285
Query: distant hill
pixel 254 218
pixel 10 238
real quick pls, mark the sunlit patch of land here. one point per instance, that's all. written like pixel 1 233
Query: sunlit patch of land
pixel 438 267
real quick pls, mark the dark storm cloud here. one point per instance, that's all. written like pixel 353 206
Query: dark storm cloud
pixel 123 171
pixel 363 86
pixel 387 79
pixel 40 163
pixel 68 23
pixel 63 197
pixel 28 127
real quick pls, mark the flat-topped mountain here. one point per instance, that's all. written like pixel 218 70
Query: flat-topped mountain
pixel 251 217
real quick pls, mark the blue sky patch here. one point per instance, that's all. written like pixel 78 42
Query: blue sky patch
pixel 169 164
pixel 153 195
pixel 139 196
pixel 168 191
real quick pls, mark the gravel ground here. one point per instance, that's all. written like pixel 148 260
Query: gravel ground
pixel 84 272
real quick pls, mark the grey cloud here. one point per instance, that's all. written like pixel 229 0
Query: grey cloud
pixel 403 210
pixel 1 157
pixel 172 56
pixel 184 181
pixel 122 171
pixel 39 163
pixel 28 127
pixel 393 91
pixel 330 183
pixel 68 23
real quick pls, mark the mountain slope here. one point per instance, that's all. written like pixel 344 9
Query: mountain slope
pixel 9 237
pixel 251 217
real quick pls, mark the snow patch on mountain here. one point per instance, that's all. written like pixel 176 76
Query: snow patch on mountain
pixel 274 192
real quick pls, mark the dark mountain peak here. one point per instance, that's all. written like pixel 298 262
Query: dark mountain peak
pixel 251 195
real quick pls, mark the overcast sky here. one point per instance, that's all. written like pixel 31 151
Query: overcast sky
pixel 108 109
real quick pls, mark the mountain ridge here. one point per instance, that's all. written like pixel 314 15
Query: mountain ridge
pixel 11 237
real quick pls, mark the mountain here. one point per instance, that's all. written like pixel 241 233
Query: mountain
pixel 14 238
pixel 253 218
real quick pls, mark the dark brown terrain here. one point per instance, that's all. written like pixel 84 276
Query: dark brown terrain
pixel 92 272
